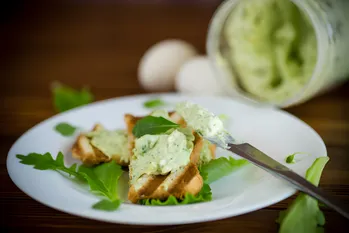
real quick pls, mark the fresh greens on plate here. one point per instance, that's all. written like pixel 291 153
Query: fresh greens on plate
pixel 148 152
pixel 165 152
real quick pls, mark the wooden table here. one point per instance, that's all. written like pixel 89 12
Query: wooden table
pixel 100 46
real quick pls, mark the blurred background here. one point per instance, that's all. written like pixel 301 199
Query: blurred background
pixel 86 43
pixel 99 44
pixel 92 43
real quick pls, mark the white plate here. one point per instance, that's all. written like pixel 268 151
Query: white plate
pixel 275 132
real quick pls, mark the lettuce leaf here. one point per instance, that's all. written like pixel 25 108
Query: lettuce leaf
pixel 218 168
pixel 304 214
pixel 210 172
pixel 204 195
pixel 107 205
pixel 102 179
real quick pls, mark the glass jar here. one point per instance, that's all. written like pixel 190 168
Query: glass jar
pixel 329 20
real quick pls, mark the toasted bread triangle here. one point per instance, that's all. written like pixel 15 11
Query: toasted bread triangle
pixel 89 154
pixel 177 183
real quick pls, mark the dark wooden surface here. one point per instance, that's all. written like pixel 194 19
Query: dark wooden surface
pixel 100 46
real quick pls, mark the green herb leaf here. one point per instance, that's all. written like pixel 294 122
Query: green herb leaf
pixel 313 174
pixel 304 214
pixel 65 129
pixel 292 157
pixel 108 174
pixel 152 125
pixel 102 179
pixel 107 205
pixel 204 195
pixel 218 168
pixel 154 103
pixel 66 98
pixel 46 162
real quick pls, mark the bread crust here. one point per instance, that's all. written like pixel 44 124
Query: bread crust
pixel 188 180
pixel 90 155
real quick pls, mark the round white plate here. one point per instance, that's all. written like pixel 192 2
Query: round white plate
pixel 275 132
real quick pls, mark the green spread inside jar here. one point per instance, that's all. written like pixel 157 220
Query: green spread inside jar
pixel 273 48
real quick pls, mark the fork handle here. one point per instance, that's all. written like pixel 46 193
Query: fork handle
pixel 263 161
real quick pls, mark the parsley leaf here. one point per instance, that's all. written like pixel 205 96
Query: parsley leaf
pixel 204 195
pixel 107 205
pixel 46 162
pixel 154 103
pixel 152 125
pixel 65 129
pixel 304 214
pixel 218 168
pixel 102 179
pixel 66 98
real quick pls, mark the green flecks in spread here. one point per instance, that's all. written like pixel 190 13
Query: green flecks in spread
pixel 200 119
pixel 205 153
pixel 111 143
pixel 160 154
pixel 204 122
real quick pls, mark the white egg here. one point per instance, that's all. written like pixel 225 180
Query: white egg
pixel 197 76
pixel 161 62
